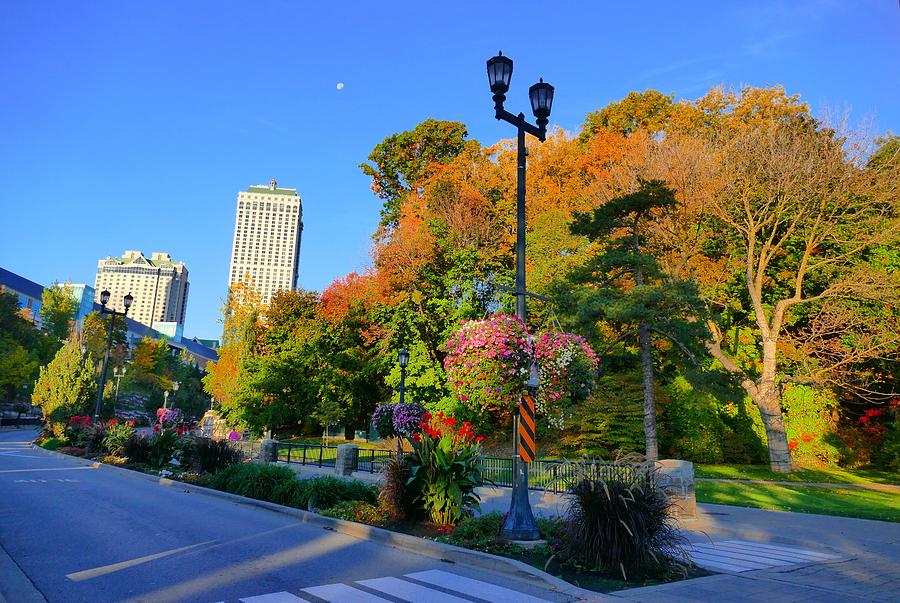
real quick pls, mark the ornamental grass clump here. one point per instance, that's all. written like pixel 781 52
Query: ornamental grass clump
pixel 445 469
pixel 568 368
pixel 212 456
pixel 622 524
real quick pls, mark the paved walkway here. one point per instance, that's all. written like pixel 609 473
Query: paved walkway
pixel 875 487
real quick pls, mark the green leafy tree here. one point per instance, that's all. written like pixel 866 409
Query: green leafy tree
pixel 66 386
pixel 58 308
pixel 95 331
pixel 23 349
pixel 402 161
pixel 627 288
pixel 799 220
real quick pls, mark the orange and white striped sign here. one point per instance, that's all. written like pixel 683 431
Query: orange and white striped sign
pixel 527 446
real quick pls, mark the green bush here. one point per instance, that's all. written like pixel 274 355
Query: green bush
pixel 280 485
pixel 163 446
pixel 324 492
pixel 252 480
pixel 810 419
pixel 54 443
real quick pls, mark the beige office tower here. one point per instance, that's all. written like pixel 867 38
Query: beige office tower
pixel 158 284
pixel 267 231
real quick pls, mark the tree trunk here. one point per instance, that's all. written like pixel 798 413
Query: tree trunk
pixel 649 390
pixel 768 401
pixel 780 459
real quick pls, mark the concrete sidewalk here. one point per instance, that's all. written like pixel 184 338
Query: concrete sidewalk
pixel 867 568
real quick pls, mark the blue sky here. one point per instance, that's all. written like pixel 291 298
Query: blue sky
pixel 133 125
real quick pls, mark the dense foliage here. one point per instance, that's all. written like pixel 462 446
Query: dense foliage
pixel 717 254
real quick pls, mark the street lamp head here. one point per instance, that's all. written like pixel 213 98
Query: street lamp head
pixel 175 386
pixel 403 358
pixel 499 70
pixel 104 297
pixel 541 95
pixel 534 379
pixel 128 299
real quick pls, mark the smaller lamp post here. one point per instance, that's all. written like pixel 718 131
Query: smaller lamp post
pixel 104 299
pixel 165 399
pixel 403 360
pixel 175 386
pixel 119 373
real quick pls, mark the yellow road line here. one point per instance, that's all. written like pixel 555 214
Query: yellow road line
pixel 95 466
pixel 108 569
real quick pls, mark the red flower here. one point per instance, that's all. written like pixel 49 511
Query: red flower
pixel 806 438
pixel 449 421
pixel 792 445
pixel 113 421
pixel 479 439
pixel 426 416
pixel 417 437
pixel 863 420
pixel 156 428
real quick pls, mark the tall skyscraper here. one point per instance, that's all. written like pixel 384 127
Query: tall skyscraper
pixel 159 286
pixel 267 231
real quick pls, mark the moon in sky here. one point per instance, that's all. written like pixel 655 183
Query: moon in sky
pixel 340 85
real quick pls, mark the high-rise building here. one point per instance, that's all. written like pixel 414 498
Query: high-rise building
pixel 267 231
pixel 158 284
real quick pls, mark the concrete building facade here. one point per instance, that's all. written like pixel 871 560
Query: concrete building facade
pixel 158 284
pixel 267 231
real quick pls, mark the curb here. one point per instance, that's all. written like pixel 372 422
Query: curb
pixel 436 550
pixel 15 586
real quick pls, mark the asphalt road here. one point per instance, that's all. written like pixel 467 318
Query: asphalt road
pixel 83 534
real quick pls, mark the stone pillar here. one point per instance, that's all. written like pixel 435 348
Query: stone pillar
pixel 676 478
pixel 268 451
pixel 347 460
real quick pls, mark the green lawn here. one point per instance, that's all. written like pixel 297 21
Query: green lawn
pixel 843 502
pixel 826 475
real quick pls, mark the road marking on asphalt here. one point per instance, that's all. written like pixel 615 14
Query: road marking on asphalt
pixel 281 597
pixel 744 555
pixel 410 591
pixel 47 469
pixel 395 589
pixel 342 593
pixel 461 584
pixel 115 567
pixel 45 481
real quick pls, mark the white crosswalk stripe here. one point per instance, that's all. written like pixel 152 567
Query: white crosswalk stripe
pixel 431 586
pixel 745 556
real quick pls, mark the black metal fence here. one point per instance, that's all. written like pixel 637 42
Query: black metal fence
pixel 543 474
pixel 370 460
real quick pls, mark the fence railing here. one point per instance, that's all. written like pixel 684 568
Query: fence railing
pixel 370 460
pixel 543 474
pixel 248 448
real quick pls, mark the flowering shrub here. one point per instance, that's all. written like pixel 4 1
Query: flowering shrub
pixel 407 418
pixel 874 437
pixel 444 467
pixel 84 433
pixel 117 435
pixel 358 511
pixel 383 420
pixel 167 417
pixel 567 366
pixel 488 362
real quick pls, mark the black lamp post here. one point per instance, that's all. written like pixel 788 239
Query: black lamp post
pixel 520 524
pixel 104 299
pixel 402 360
